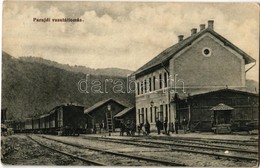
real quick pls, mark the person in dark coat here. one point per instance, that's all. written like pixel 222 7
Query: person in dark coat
pixel 128 128
pixel 122 128
pixel 139 128
pixel 165 124
pixel 158 125
pixel 171 129
pixel 133 128
pixel 176 125
pixel 147 128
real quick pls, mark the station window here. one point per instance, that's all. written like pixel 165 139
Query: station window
pixel 155 113
pixel 145 86
pixel 154 81
pixel 165 79
pixel 150 84
pixel 160 81
pixel 142 116
pixel 151 114
pixel 138 88
pixel 166 111
pixel 146 114
pixel 160 113
pixel 139 117
pixel 142 87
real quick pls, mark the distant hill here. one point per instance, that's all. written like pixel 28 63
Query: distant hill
pixel 78 68
pixel 33 88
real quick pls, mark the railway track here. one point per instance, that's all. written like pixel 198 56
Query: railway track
pixel 205 146
pixel 213 144
pixel 172 144
pixel 252 143
pixel 94 163
pixel 130 156
pixel 209 145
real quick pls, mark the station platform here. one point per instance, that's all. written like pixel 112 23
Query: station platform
pixel 205 135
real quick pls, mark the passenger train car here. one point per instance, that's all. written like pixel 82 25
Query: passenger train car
pixel 63 120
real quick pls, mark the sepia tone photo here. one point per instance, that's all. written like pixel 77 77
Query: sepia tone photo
pixel 89 83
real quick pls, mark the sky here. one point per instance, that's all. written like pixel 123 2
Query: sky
pixel 121 34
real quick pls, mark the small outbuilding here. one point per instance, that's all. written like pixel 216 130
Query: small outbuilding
pixel 221 118
pixel 96 113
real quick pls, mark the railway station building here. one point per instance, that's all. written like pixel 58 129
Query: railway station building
pixel 191 77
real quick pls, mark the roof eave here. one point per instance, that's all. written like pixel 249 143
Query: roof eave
pixel 147 70
pixel 248 59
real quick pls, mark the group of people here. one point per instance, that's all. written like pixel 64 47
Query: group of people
pixel 128 127
pixel 172 127
pixel 144 128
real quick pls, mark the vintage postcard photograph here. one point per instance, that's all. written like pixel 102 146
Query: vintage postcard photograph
pixel 151 84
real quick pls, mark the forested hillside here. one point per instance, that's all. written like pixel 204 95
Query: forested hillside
pixel 32 88
pixel 79 68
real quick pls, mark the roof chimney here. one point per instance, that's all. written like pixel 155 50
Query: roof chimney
pixel 202 27
pixel 211 24
pixel 180 37
pixel 193 31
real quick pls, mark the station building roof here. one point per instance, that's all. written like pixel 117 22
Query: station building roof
pixel 192 93
pixel 169 53
pixel 98 104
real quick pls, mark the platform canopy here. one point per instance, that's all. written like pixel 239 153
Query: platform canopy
pixel 44 115
pixel 222 107
pixel 124 112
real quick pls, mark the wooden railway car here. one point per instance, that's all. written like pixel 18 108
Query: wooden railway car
pixel 36 125
pixel 63 120
pixel 52 121
pixel 18 127
pixel 28 125
pixel 70 119
pixel 47 123
pixel 42 125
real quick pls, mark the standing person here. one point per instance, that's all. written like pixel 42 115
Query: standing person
pixel 102 128
pixel 133 127
pixel 128 126
pixel 184 124
pixel 147 127
pixel 171 127
pixel 165 126
pixel 158 125
pixel 139 128
pixel 95 128
pixel 122 128
pixel 176 125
